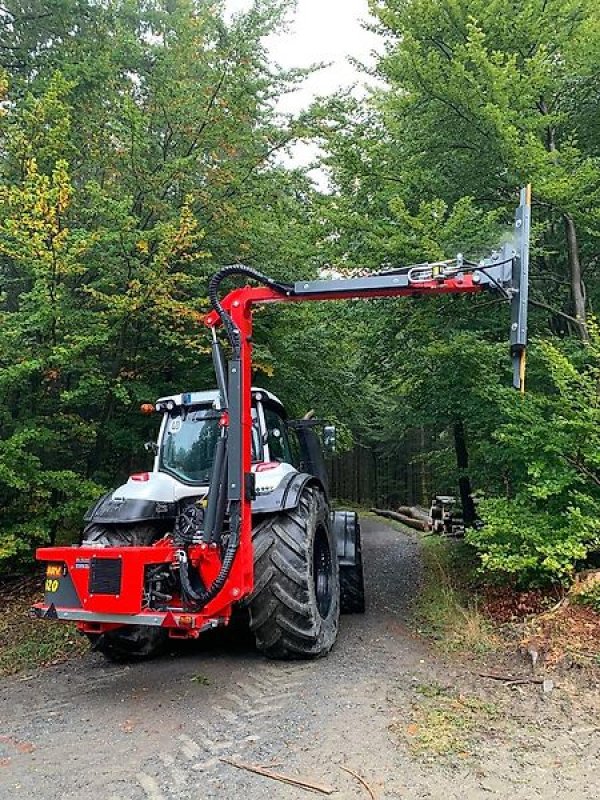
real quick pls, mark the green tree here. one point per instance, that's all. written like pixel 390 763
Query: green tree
pixel 486 96
pixel 547 522
pixel 138 151
pixel 478 98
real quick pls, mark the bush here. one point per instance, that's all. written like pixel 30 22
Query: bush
pixel 589 595
pixel 551 520
pixel 523 540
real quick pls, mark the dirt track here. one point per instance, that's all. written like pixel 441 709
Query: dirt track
pixel 157 731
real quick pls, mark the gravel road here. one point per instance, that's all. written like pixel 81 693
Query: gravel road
pixel 158 731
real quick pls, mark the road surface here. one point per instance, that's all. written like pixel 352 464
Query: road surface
pixel 159 731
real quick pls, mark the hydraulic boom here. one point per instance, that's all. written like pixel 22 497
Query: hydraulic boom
pixel 226 515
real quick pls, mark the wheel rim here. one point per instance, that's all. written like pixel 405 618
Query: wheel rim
pixel 322 572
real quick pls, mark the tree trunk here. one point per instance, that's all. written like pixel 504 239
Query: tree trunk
pixel 413 511
pixel 576 281
pixel 577 287
pixel 410 522
pixel 464 483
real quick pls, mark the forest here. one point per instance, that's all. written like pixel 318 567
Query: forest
pixel 141 149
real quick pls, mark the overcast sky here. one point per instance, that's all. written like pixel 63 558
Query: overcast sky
pixel 320 31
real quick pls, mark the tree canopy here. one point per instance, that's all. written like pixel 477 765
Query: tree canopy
pixel 139 152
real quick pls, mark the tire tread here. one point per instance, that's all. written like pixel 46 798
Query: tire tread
pixel 283 611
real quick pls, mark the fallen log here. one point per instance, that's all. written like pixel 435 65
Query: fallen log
pixel 410 522
pixel 413 511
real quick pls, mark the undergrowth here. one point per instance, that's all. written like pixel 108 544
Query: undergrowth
pixel 589 595
pixel 27 643
pixel 448 607
pixel 444 722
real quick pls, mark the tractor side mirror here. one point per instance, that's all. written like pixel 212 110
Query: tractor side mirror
pixel 151 447
pixel 329 438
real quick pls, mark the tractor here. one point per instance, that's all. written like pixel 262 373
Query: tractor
pixel 307 558
pixel 236 514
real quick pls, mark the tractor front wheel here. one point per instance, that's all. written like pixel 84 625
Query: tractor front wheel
pixel 129 642
pixel 295 606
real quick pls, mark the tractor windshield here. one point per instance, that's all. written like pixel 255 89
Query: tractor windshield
pixel 188 445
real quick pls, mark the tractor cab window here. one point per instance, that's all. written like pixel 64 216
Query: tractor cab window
pixel 189 441
pixel 188 446
pixel 277 437
pixel 295 449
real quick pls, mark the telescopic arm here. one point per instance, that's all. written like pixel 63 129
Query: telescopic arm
pixel 504 272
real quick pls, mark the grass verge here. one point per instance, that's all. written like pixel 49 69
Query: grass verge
pixel 445 722
pixel 464 615
pixel 448 607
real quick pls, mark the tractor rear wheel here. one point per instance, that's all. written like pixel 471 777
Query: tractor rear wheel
pixel 129 642
pixel 295 607
pixel 136 535
pixel 352 584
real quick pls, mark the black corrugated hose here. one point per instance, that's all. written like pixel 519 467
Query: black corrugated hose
pixel 233 333
pixel 200 599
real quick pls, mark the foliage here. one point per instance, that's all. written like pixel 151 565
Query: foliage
pixel 478 98
pixel 486 96
pixel 135 156
pixel 590 596
pixel 549 520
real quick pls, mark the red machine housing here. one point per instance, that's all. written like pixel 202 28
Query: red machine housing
pixel 102 588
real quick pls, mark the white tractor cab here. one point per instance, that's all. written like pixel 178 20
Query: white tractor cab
pixel 184 453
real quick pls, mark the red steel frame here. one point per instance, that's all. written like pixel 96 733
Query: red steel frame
pixel 97 612
pixel 239 304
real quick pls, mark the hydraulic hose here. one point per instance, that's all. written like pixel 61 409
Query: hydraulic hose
pixel 197 600
pixel 216 510
pixel 188 593
pixel 221 504
pixel 231 330
pixel 217 507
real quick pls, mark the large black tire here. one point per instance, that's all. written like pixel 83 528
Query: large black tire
pixel 129 642
pixel 352 584
pixel 140 534
pixel 295 606
pixel 352 590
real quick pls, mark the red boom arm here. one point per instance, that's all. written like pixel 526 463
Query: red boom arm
pixel 239 305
